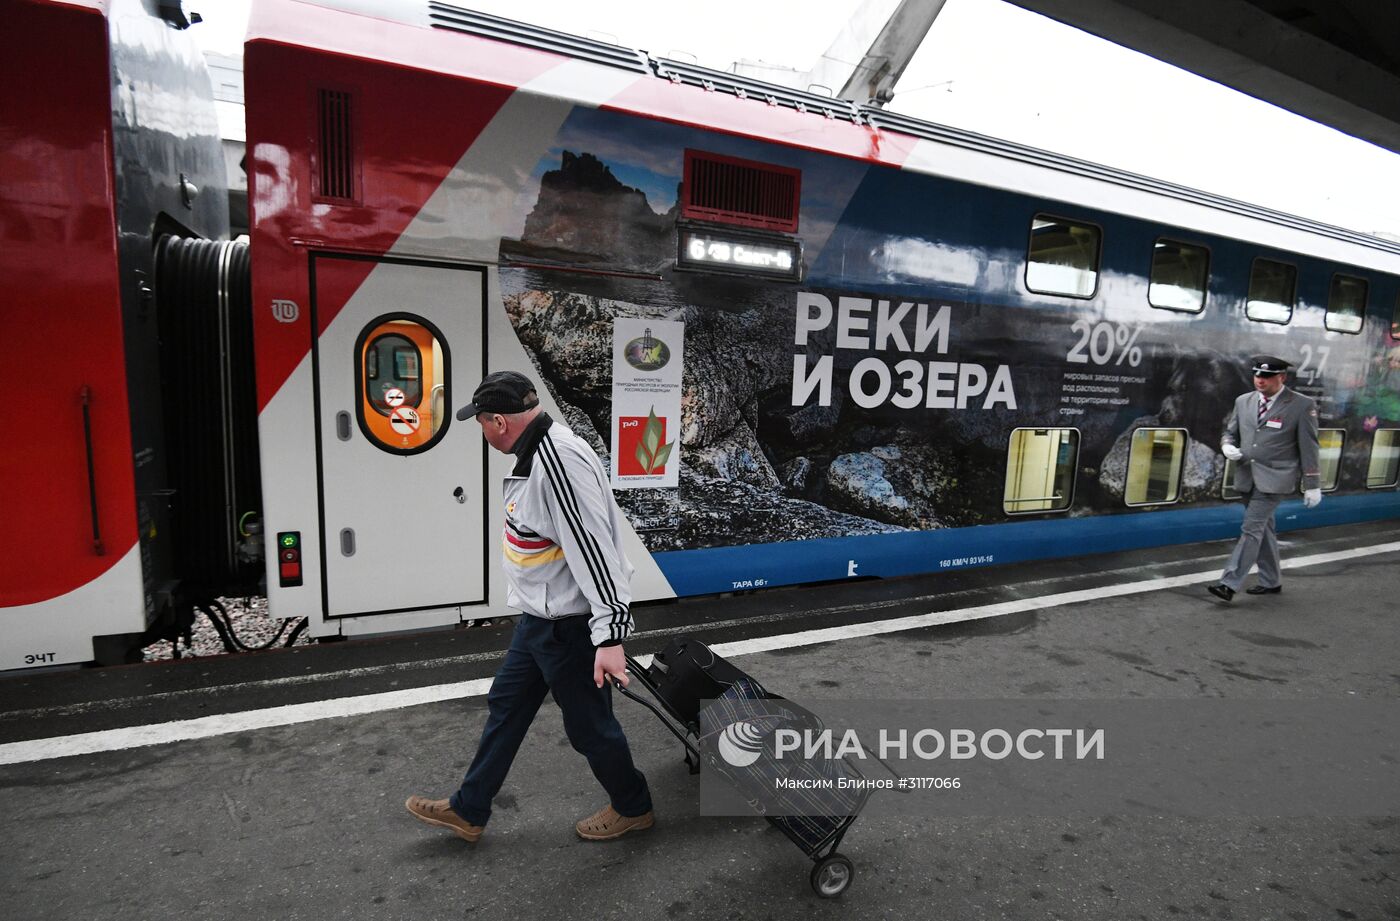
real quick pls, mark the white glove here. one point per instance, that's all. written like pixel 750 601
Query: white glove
pixel 1312 498
pixel 1231 452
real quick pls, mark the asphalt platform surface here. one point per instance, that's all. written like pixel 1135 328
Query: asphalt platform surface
pixel 307 821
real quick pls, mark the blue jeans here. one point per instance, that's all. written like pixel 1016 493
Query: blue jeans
pixel 545 656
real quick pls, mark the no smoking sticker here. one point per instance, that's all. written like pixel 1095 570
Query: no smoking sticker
pixel 403 420
pixel 394 397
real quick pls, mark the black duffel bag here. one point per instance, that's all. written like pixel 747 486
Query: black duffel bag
pixel 686 673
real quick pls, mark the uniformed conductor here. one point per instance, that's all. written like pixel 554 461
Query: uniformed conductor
pixel 1272 438
pixel 566 572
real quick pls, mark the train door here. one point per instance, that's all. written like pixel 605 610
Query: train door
pixel 402 482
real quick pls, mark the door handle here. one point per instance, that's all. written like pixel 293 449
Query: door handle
pixel 460 494
pixel 342 425
pixel 85 394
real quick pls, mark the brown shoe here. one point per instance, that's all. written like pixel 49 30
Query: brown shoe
pixel 607 823
pixel 438 812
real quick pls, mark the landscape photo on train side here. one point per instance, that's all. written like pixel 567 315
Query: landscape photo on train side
pixel 877 394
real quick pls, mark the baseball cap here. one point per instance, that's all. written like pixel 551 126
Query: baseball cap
pixel 503 392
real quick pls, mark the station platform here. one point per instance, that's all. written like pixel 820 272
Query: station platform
pixel 271 785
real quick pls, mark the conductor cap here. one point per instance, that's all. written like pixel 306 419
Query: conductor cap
pixel 1268 365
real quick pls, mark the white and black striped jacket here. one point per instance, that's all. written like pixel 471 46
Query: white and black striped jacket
pixel 562 547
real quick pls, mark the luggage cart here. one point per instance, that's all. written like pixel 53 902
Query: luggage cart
pixel 817 837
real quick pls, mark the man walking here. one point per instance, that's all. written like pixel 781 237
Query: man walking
pixel 1272 438
pixel 566 572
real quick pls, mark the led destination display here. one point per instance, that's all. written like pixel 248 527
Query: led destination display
pixel 722 251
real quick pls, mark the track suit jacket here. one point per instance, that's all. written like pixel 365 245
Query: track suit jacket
pixel 562 546
pixel 1280 449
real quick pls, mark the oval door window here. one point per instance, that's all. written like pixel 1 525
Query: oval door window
pixel 403 367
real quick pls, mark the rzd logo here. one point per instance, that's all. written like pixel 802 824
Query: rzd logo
pixel 740 744
pixel 285 311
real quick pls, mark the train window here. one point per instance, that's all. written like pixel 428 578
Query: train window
pixel 1179 275
pixel 1271 290
pixel 1346 304
pixel 1395 320
pixel 1040 466
pixel 1227 482
pixel 1329 453
pixel 1384 470
pixel 402 369
pixel 1063 257
pixel 1154 466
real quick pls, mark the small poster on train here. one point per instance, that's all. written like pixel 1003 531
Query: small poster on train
pixel 648 355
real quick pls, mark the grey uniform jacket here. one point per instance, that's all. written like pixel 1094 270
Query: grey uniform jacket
pixel 1278 451
pixel 562 547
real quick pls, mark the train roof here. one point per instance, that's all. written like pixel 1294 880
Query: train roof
pixel 453 18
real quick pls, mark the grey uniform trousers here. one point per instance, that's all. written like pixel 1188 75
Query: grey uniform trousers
pixel 1258 543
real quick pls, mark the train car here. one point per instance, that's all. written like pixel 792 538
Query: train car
pixel 813 340
pixel 121 284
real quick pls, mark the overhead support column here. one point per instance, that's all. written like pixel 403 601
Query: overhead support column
pixel 881 38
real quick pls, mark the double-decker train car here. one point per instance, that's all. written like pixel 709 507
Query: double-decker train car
pixel 812 340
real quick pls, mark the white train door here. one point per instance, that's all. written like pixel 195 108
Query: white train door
pixel 402 481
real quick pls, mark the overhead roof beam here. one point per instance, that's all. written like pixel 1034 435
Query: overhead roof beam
pixel 1332 61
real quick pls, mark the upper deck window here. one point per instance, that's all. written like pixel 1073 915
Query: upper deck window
pixel 1346 304
pixel 1180 273
pixel 729 190
pixel 1272 287
pixel 1063 257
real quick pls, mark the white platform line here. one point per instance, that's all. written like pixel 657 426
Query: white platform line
pixel 87 743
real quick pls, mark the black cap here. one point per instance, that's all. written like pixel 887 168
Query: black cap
pixel 503 392
pixel 1266 365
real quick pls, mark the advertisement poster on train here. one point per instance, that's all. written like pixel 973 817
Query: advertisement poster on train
pixel 648 355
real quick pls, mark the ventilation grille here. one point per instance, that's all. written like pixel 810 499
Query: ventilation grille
pixel 337 172
pixel 734 191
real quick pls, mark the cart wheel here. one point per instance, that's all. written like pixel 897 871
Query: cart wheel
pixel 831 876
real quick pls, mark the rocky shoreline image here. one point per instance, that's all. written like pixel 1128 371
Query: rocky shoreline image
pixel 754 468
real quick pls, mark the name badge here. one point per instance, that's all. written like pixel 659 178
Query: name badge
pixel 1274 424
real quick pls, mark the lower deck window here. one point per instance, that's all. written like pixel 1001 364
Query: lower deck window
pixel 1384 469
pixel 1040 467
pixel 1227 482
pixel 1329 452
pixel 1154 466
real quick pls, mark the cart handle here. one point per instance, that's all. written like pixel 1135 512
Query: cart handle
pixel 684 739
pixel 884 763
